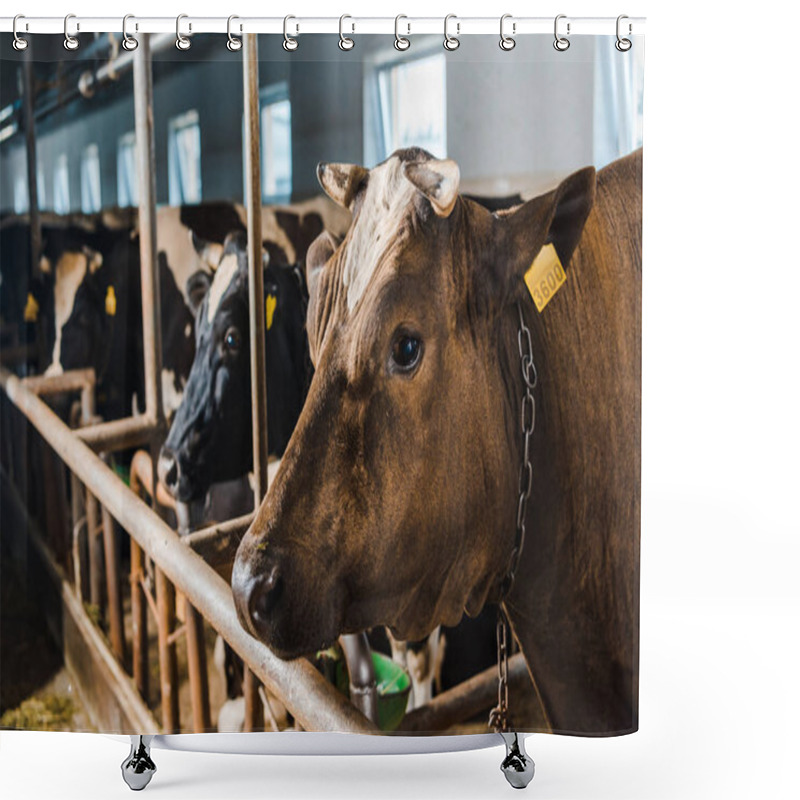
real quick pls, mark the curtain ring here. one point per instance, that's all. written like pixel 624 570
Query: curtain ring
pixel 561 43
pixel 400 42
pixel 345 43
pixel 233 44
pixel 70 42
pixel 128 42
pixel 19 43
pixel 182 42
pixel 623 45
pixel 289 44
pixel 451 42
pixel 507 42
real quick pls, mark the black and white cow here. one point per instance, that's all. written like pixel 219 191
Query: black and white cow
pixel 210 439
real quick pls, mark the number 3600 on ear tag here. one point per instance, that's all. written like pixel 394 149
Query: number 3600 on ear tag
pixel 545 276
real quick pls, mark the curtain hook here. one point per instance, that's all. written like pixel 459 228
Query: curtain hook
pixel 561 43
pixel 289 44
pixel 233 44
pixel 70 42
pixel 400 42
pixel 19 43
pixel 345 43
pixel 182 42
pixel 623 45
pixel 128 42
pixel 507 42
pixel 451 42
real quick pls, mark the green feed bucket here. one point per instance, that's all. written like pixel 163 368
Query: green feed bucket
pixel 394 686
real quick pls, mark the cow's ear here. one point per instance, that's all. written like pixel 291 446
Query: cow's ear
pixel 196 289
pixel 210 253
pixel 341 182
pixel 438 180
pixel 555 218
pixel 320 250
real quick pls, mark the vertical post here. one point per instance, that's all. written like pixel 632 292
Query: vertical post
pixel 139 622
pixel 146 177
pixel 252 148
pixel 198 669
pixel 28 99
pixel 115 612
pixel 167 654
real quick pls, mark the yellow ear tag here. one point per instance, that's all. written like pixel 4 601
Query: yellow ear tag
pixel 111 302
pixel 545 276
pixel 31 309
pixel 272 302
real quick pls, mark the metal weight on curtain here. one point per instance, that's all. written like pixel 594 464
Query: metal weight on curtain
pixel 182 42
pixel 451 42
pixel 623 45
pixel 345 43
pixel 70 42
pixel 400 42
pixel 289 44
pixel 19 43
pixel 233 44
pixel 507 42
pixel 561 43
pixel 128 42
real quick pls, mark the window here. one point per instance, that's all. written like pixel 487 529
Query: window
pixel 183 156
pixel 61 186
pixel 127 186
pixel 413 106
pixel 90 179
pixel 40 195
pixel 276 144
pixel 21 201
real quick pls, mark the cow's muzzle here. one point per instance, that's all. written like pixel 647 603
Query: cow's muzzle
pixel 257 595
pixel 169 470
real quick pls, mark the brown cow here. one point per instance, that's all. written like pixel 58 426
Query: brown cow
pixel 396 499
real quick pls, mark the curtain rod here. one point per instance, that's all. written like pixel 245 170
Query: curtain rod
pixel 351 25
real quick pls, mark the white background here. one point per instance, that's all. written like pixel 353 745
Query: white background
pixel 720 536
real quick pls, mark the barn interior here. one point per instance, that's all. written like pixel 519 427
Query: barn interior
pixel 68 140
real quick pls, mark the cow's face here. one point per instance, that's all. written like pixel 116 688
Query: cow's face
pixel 210 439
pixel 395 500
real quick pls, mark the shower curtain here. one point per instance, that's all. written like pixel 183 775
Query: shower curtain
pixel 321 371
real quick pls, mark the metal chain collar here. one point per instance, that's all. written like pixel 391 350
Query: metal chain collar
pixel 499 716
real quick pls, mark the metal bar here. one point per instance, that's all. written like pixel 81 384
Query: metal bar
pixel 146 176
pixel 119 434
pixel 465 700
pixel 167 654
pixel 74 380
pixel 95 543
pixel 359 25
pixel 113 588
pixel 253 710
pixel 315 704
pixel 217 544
pixel 255 270
pixel 198 669
pixel 141 673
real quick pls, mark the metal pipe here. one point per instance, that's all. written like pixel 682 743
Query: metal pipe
pixel 141 672
pixel 465 700
pixel 253 709
pixel 119 434
pixel 315 704
pixel 255 270
pixel 113 589
pixel 217 543
pixel 198 669
pixel 146 176
pixel 167 654
pixel 361 671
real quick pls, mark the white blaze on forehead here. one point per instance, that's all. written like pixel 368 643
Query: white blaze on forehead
pixel 222 280
pixel 385 203
pixel 70 272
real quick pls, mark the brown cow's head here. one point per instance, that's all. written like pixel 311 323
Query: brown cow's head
pixel 396 498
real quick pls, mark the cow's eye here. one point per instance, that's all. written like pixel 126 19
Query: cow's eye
pixel 233 340
pixel 406 352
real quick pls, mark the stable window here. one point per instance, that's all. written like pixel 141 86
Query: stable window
pixel 61 185
pixel 90 179
pixel 21 201
pixel 127 186
pixel 183 156
pixel 412 99
pixel 276 144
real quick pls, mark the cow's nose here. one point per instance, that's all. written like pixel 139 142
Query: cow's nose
pixel 256 596
pixel 169 472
